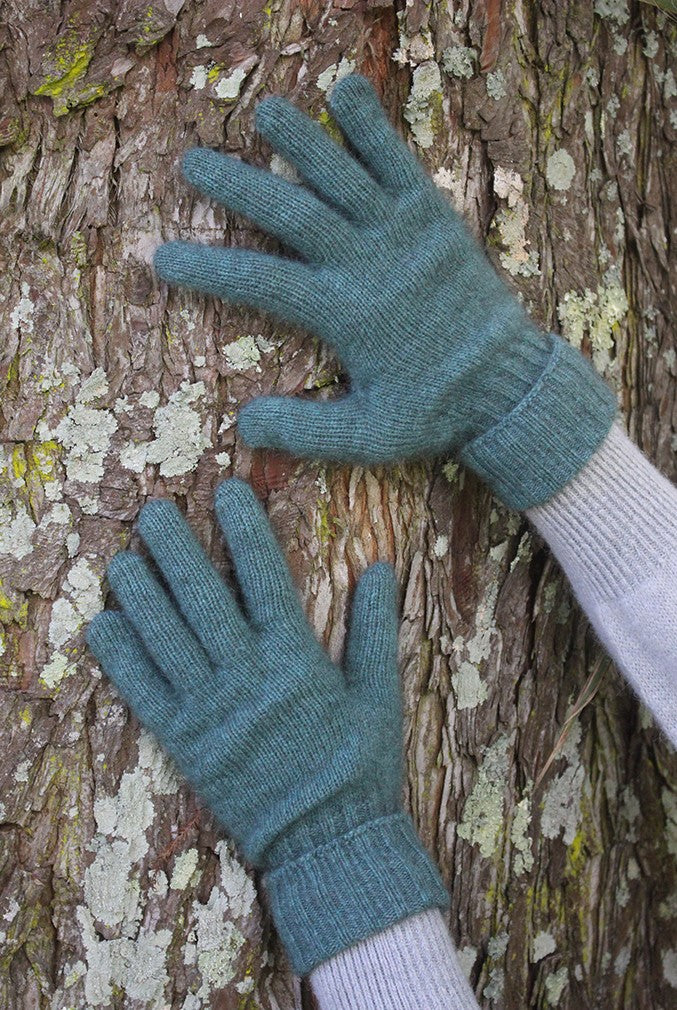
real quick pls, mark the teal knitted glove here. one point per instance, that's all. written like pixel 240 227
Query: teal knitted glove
pixel 440 354
pixel 298 759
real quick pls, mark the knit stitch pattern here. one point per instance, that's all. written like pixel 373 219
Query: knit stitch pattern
pixel 440 354
pixel 300 760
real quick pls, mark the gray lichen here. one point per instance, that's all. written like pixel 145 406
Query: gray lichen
pixel 459 61
pixel 482 820
pixel 423 102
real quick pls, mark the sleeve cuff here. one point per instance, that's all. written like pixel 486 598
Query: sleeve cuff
pixel 410 965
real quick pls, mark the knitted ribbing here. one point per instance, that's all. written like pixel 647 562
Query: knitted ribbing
pixel 300 760
pixel 409 966
pixel 440 354
pixel 614 523
pixel 614 531
pixel 351 887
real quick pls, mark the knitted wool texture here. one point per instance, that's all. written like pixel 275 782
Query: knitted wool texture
pixel 298 759
pixel 440 354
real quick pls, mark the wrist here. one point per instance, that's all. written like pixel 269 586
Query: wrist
pixel 548 437
pixel 344 890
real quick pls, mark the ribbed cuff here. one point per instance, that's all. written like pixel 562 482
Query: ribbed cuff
pixel 409 966
pixel 543 442
pixel 614 524
pixel 350 888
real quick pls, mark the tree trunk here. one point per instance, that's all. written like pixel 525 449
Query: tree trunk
pixel 550 126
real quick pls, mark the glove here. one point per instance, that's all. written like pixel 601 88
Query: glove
pixel 440 354
pixel 298 759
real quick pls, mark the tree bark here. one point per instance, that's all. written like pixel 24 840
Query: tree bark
pixel 550 125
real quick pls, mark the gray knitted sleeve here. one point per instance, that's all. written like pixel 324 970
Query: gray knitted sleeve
pixel 410 966
pixel 613 529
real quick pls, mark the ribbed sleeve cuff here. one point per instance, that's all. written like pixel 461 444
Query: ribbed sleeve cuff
pixel 614 524
pixel 350 888
pixel 543 442
pixel 409 966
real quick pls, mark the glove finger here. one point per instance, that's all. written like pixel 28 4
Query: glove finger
pixel 262 571
pixel 204 599
pixel 289 212
pixel 360 115
pixel 334 431
pixel 371 654
pixel 287 289
pixel 157 622
pixel 329 169
pixel 124 660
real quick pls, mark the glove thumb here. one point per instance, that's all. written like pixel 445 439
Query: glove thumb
pixel 334 431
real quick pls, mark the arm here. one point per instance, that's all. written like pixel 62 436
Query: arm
pixel 300 760
pixel 613 529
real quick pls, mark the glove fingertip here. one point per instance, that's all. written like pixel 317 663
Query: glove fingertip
pixel 193 163
pixel 381 573
pixel 157 516
pixel 351 90
pixel 101 632
pixel 233 493
pixel 378 587
pixel 270 112
pixel 165 259
pixel 251 422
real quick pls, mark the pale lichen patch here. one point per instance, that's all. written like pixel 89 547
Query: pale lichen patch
pixel 55 670
pixel 469 688
pixel 451 182
pixel 280 166
pixel 150 399
pixel 555 985
pixel 185 866
pixel 199 77
pixel 496 949
pixel 542 945
pixel 482 820
pixel 459 61
pixel 523 859
pixel 496 85
pixel 615 10
pixel 334 73
pixel 441 546
pixel 669 961
pixel 467 956
pixel 81 600
pixel 21 316
pixel 595 313
pixel 135 961
pixel 243 354
pixel 560 169
pixel 180 436
pixel 562 801
pixel 16 532
pixel 228 88
pixel 508 185
pixel 423 102
pixel 511 223
pixel 137 967
pixel 85 432
pixel 216 941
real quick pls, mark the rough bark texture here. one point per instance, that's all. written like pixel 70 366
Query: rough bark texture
pixel 550 124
